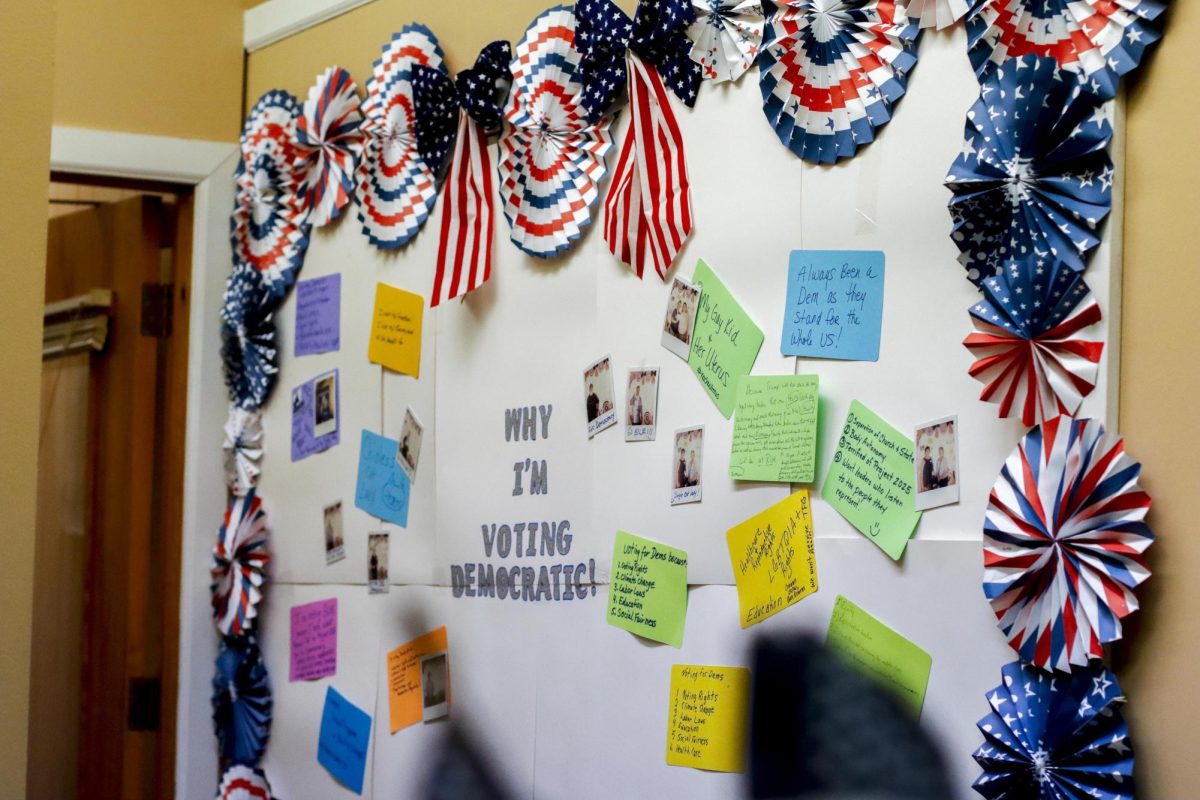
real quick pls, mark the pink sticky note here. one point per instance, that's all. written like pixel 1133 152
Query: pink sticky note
pixel 314 640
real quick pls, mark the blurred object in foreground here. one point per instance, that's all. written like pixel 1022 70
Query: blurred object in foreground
pixel 461 772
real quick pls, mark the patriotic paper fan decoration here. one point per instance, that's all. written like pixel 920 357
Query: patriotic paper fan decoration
pixel 1027 344
pixel 940 14
pixel 551 157
pixel 242 783
pixel 1064 542
pixel 248 338
pixel 1034 178
pixel 243 449
pixel 241 702
pixel 239 564
pixel 1099 39
pixel 267 228
pixel 1055 737
pixel 329 139
pixel 436 102
pixel 831 73
pixel 726 37
pixel 396 189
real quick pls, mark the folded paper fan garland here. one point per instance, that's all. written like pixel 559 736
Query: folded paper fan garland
pixel 243 783
pixel 241 702
pixel 243 449
pixel 248 351
pixel 329 140
pixel 726 37
pixel 240 559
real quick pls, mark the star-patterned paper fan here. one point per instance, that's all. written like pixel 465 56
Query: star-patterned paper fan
pixel 329 140
pixel 1064 542
pixel 551 157
pixel 1034 178
pixel 243 783
pixel 240 559
pixel 1055 737
pixel 243 449
pixel 1027 344
pixel 396 188
pixel 248 338
pixel 241 702
pixel 726 37
pixel 940 14
pixel 832 72
pixel 1099 39
pixel 267 228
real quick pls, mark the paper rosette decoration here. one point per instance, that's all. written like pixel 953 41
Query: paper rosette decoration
pixel 940 14
pixel 1034 178
pixel 726 37
pixel 243 449
pixel 551 157
pixel 1099 39
pixel 831 73
pixel 1064 542
pixel 267 228
pixel 1027 344
pixel 248 338
pixel 1055 737
pixel 241 702
pixel 242 783
pixel 239 564
pixel 396 188
pixel 329 140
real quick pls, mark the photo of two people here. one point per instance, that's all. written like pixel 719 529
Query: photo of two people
pixel 680 318
pixel 641 404
pixel 936 460
pixel 686 477
pixel 598 396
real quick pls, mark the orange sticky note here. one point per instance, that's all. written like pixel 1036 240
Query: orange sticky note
pixel 396 330
pixel 404 677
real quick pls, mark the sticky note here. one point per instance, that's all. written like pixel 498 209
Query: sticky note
pixel 312 431
pixel 404 678
pixel 870 482
pixel 775 429
pixel 396 330
pixel 648 591
pixel 342 743
pixel 383 488
pixel 708 717
pixel 834 305
pixel 318 315
pixel 774 564
pixel 725 343
pixel 880 653
pixel 313 640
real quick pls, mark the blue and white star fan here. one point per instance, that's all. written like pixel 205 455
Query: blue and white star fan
pixel 241 701
pixel 248 338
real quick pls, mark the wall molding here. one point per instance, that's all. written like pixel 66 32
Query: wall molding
pixel 276 20
pixel 133 155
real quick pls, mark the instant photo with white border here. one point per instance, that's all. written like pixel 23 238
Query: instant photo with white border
pixel 335 543
pixel 937 483
pixel 679 321
pixel 324 404
pixel 599 398
pixel 687 465
pixel 435 685
pixel 377 562
pixel 408 449
pixel 641 404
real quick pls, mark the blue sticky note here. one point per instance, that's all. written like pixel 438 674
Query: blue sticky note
pixel 383 488
pixel 318 315
pixel 834 304
pixel 344 738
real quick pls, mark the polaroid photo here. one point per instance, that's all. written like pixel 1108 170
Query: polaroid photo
pixel 409 449
pixel 599 396
pixel 335 546
pixel 435 686
pixel 936 463
pixel 377 563
pixel 325 404
pixel 686 464
pixel 680 319
pixel 641 404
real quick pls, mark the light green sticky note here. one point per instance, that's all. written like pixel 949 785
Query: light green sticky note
pixel 880 653
pixel 648 591
pixel 870 482
pixel 775 429
pixel 726 341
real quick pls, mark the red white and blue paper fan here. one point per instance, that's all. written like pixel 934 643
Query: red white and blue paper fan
pixel 243 783
pixel 726 37
pixel 1034 178
pixel 1064 542
pixel 239 569
pixel 1099 39
pixel 267 228
pixel 551 157
pixel 243 449
pixel 832 72
pixel 1028 348
pixel 940 14
pixel 396 188
pixel 241 702
pixel 329 140
pixel 250 357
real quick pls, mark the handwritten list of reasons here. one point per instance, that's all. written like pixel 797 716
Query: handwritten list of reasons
pixel 318 315
pixel 834 304
pixel 880 653
pixel 396 330
pixel 648 593
pixel 404 677
pixel 774 563
pixel 707 719
pixel 314 640
pixel 775 429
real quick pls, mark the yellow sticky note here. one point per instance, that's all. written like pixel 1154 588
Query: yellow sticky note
pixel 708 717
pixel 396 330
pixel 774 564
pixel 404 678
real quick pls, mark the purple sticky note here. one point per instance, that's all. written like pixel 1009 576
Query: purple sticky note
pixel 318 315
pixel 314 640
pixel 315 415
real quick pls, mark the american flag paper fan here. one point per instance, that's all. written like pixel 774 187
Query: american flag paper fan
pixel 726 37
pixel 1034 178
pixel 551 157
pixel 1055 737
pixel 1064 541
pixel 329 139
pixel 831 76
pixel 240 559
pixel 243 449
pixel 1028 346
pixel 1099 39
pixel 241 702
pixel 940 14
pixel 243 783
pixel 248 348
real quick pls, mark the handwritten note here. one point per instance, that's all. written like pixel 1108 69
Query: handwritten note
pixel 707 719
pixel 396 330
pixel 775 429
pixel 774 564
pixel 383 488
pixel 313 640
pixel 726 341
pixel 404 677
pixel 343 739
pixel 648 593
pixel 834 304
pixel 305 441
pixel 880 653
pixel 318 315
pixel 870 482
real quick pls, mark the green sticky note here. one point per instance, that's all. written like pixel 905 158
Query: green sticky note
pixel 725 343
pixel 870 482
pixel 880 653
pixel 648 591
pixel 775 429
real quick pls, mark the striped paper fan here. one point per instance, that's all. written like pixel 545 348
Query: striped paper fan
pixel 329 140
pixel 240 559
